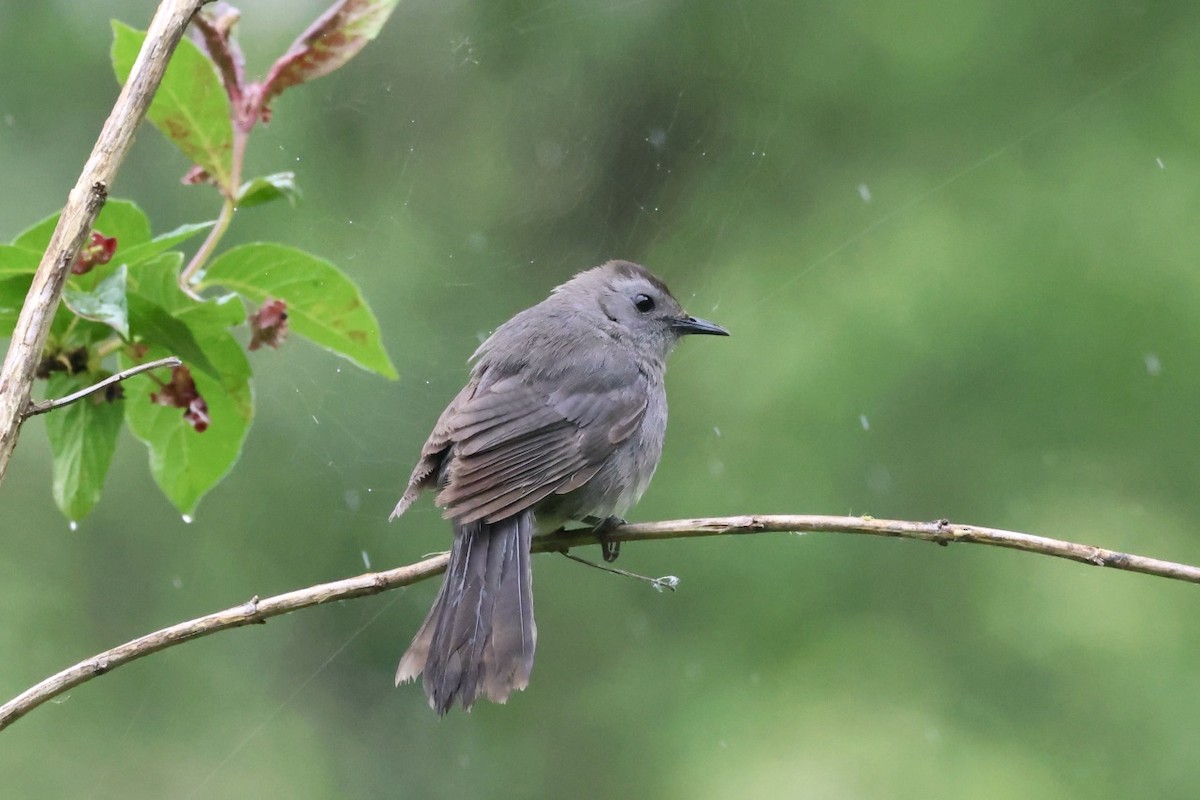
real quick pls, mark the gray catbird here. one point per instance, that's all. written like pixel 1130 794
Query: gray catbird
pixel 562 419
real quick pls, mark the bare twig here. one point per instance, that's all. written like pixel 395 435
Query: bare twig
pixel 83 204
pixel 257 611
pixel 125 374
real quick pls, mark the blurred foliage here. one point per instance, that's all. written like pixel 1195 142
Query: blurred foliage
pixel 956 246
pixel 128 296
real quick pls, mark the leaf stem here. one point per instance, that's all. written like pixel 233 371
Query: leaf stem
pixel 206 249
pixel 109 346
pixel 230 193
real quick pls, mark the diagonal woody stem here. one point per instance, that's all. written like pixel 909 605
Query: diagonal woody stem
pixel 79 214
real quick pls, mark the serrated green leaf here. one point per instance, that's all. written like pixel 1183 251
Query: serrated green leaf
pixel 190 106
pixel 12 297
pixel 119 218
pixel 106 303
pixel 18 261
pixel 186 464
pixel 160 243
pixel 323 304
pixel 83 437
pixel 154 326
pixel 266 188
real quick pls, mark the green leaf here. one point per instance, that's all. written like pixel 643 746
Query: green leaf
pixel 18 261
pixel 12 297
pixel 37 236
pixel 190 107
pixel 160 243
pixel 266 188
pixel 68 331
pixel 106 303
pixel 322 303
pixel 152 324
pixel 83 437
pixel 119 218
pixel 184 463
pixel 124 220
pixel 157 281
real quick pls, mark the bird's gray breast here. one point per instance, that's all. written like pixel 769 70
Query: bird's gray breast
pixel 625 473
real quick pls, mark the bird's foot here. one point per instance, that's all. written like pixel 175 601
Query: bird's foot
pixel 600 527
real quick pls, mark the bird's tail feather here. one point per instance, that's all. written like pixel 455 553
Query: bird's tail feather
pixel 479 637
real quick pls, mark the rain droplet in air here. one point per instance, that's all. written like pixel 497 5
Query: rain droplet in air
pixel 866 423
pixel 1153 365
pixel 879 479
pixel 366 559
pixel 864 192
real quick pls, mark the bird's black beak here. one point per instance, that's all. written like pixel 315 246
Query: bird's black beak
pixel 686 325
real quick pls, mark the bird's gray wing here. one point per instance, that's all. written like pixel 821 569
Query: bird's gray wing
pixel 433 453
pixel 508 443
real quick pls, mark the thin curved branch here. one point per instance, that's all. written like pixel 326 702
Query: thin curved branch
pixel 125 374
pixel 259 611
pixel 79 214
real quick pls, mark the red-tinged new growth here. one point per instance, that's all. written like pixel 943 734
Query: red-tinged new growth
pixel 181 393
pixel 212 31
pixel 330 41
pixel 333 39
pixel 195 176
pixel 269 324
pixel 99 250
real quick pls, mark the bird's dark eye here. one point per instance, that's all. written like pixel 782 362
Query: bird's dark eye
pixel 644 303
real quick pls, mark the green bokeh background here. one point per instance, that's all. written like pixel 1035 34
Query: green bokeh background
pixel 957 246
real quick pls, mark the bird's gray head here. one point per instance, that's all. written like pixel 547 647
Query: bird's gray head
pixel 634 306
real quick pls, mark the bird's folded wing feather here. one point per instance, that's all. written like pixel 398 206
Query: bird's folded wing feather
pixel 503 445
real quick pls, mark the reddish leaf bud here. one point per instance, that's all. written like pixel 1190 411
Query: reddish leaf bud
pixel 98 250
pixel 195 176
pixel 269 324
pixel 181 393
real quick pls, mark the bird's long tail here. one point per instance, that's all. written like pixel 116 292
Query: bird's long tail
pixel 478 638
